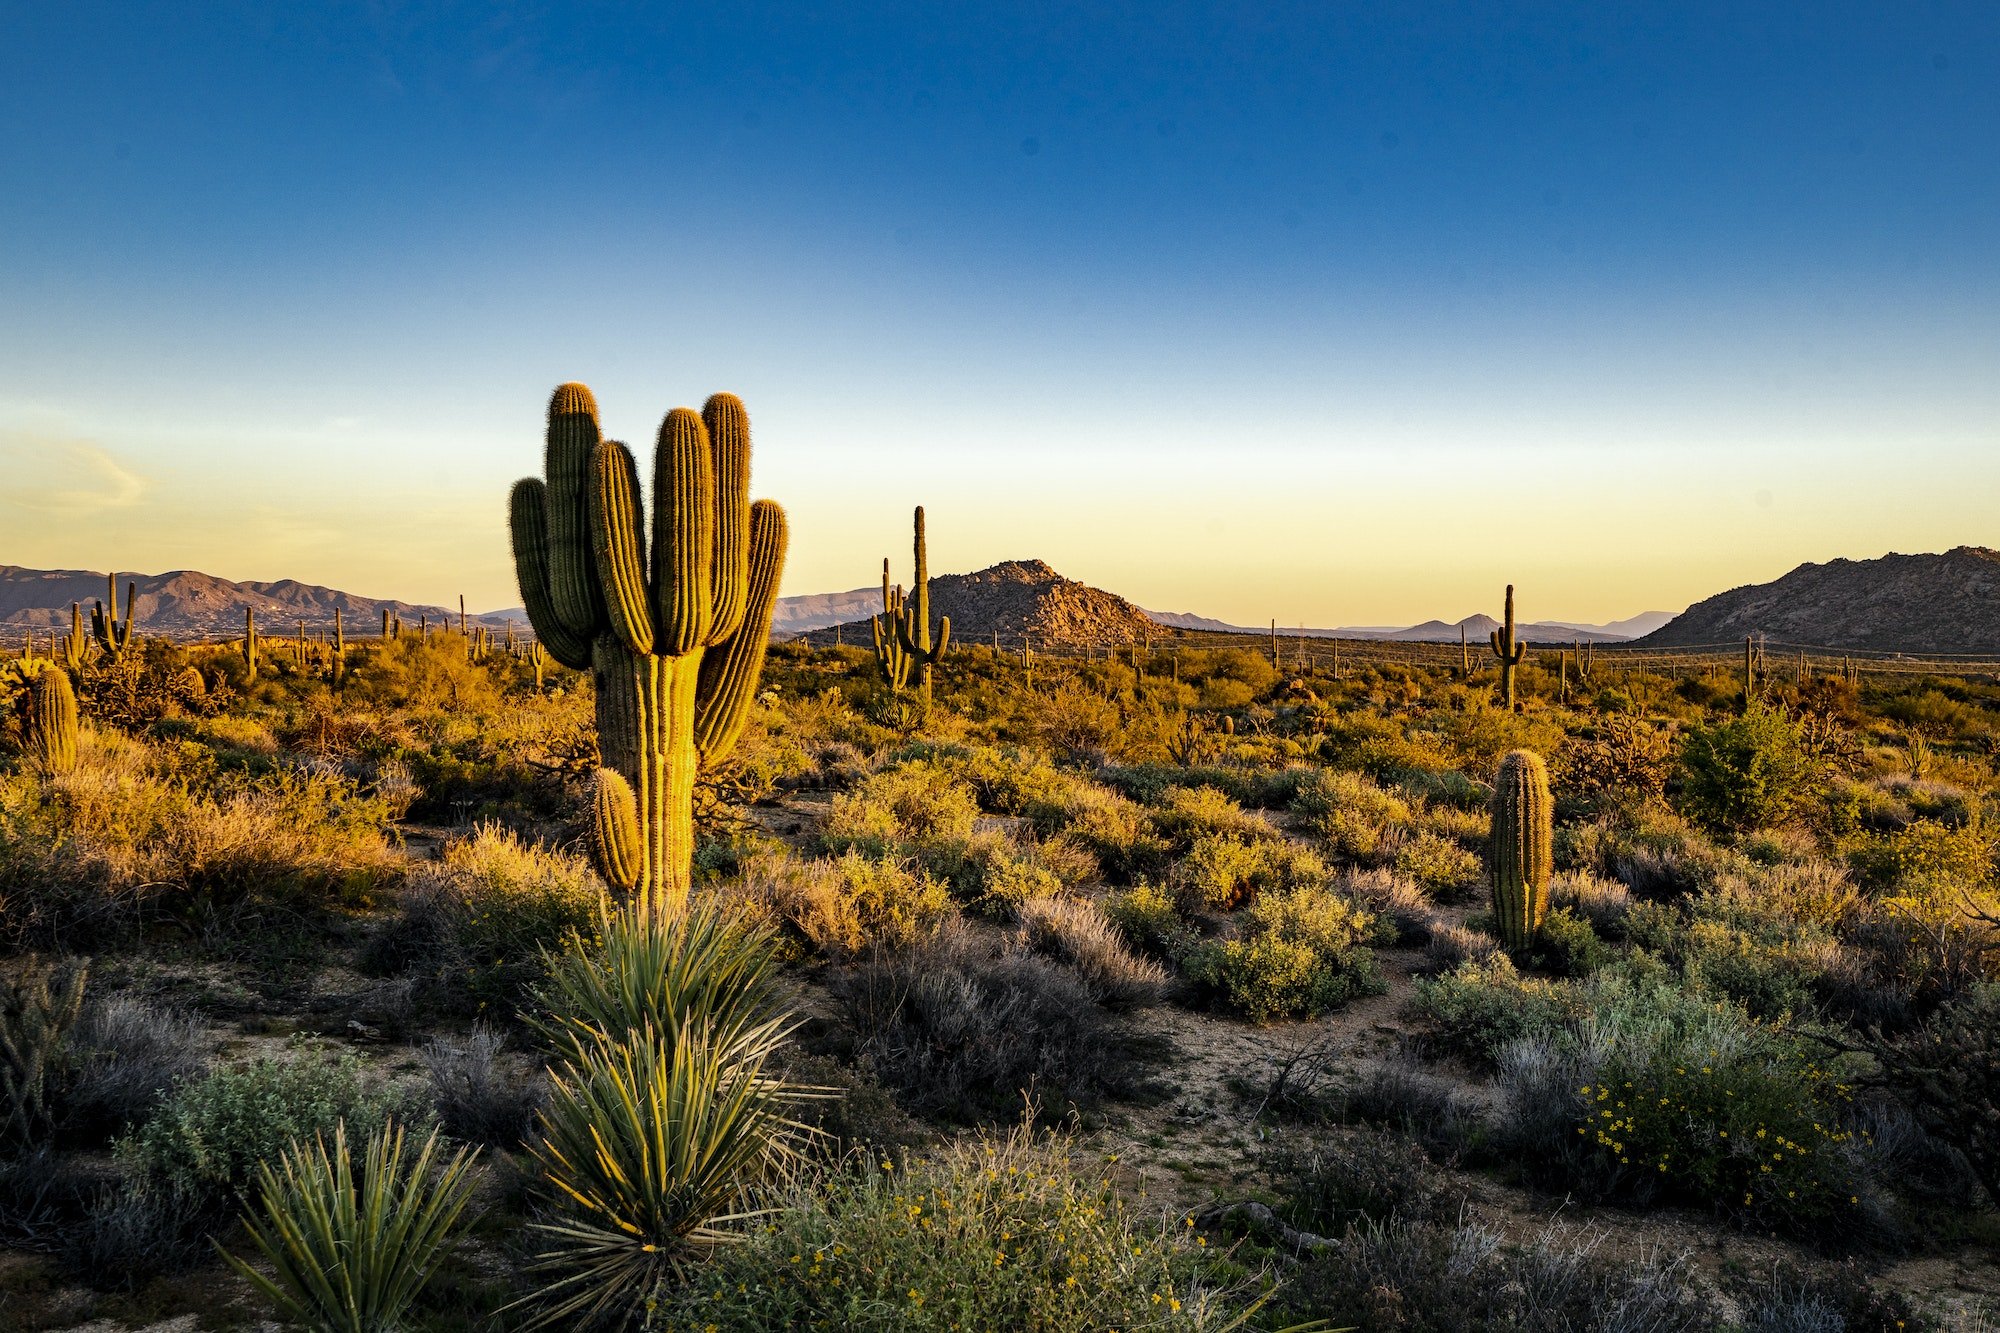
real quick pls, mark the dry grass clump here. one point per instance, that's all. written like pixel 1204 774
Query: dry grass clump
pixel 966 1023
pixel 1075 931
pixel 144 827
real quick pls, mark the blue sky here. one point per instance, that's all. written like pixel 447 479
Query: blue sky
pixel 1333 313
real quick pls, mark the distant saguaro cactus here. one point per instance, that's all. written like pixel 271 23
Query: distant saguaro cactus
pixel 250 642
pixel 890 656
pixel 674 638
pixel 1509 650
pixel 1522 847
pixel 913 626
pixel 73 649
pixel 539 660
pixel 48 721
pixel 114 636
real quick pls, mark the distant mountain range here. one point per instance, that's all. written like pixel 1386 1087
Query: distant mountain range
pixel 1437 631
pixel 1947 603
pixel 184 604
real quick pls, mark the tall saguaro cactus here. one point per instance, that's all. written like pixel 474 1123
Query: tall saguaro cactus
pixel 1522 846
pixel 890 655
pixel 250 642
pixel 913 626
pixel 674 638
pixel 1509 650
pixel 49 720
pixel 113 635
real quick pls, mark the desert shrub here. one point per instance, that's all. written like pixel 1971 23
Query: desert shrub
pixel 1076 932
pixel 1401 1094
pixel 965 1024
pixel 1745 772
pixel 1329 1182
pixel 204 1142
pixel 1485 1004
pixel 1399 903
pixel 1947 1072
pixel 138 827
pixel 1683 1097
pixel 348 1252
pixel 1148 916
pixel 1417 1277
pixel 1187 815
pixel 476 1097
pixel 1117 832
pixel 1451 947
pixel 1927 859
pixel 1350 813
pixel 1602 902
pixel 916 803
pixel 1011 781
pixel 1222 872
pixel 1785 1298
pixel 477 920
pixel 1444 868
pixel 1568 946
pixel 126 1056
pixel 841 906
pixel 1076 723
pixel 1303 951
pixel 989 1233
pixel 990 871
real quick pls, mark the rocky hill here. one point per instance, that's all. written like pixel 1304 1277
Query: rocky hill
pixel 1018 598
pixel 1946 603
pixel 184 604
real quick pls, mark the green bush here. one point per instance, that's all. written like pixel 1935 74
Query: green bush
pixel 1149 918
pixel 1476 1010
pixel 1221 872
pixel 1441 865
pixel 206 1140
pixel 989 1233
pixel 842 906
pixel 916 803
pixel 1304 951
pixel 1746 772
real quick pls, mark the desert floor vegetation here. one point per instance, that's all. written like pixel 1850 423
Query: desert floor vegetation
pixel 1160 990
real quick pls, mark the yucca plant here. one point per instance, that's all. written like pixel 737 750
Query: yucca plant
pixel 348 1256
pixel 698 967
pixel 653 1151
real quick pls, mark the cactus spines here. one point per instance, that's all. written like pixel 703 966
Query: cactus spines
pixel 1522 847
pixel 889 653
pixel 49 720
pixel 73 650
pixel 674 637
pixel 114 636
pixel 913 628
pixel 1509 650
pixel 250 642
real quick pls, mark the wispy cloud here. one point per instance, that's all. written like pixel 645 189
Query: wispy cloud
pixel 65 477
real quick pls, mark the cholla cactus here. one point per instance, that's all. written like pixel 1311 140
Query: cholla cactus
pixel 1522 846
pixel 114 636
pixel 1510 651
pixel 674 638
pixel 48 721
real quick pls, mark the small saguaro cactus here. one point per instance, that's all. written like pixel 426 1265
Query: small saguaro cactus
pixel 674 638
pixel 114 636
pixel 1464 655
pixel 48 720
pixel 539 660
pixel 1509 650
pixel 1522 846
pixel 913 626
pixel 250 642
pixel 890 655
pixel 73 649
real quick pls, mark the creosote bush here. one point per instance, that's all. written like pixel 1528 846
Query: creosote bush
pixel 1303 951
pixel 995 1232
